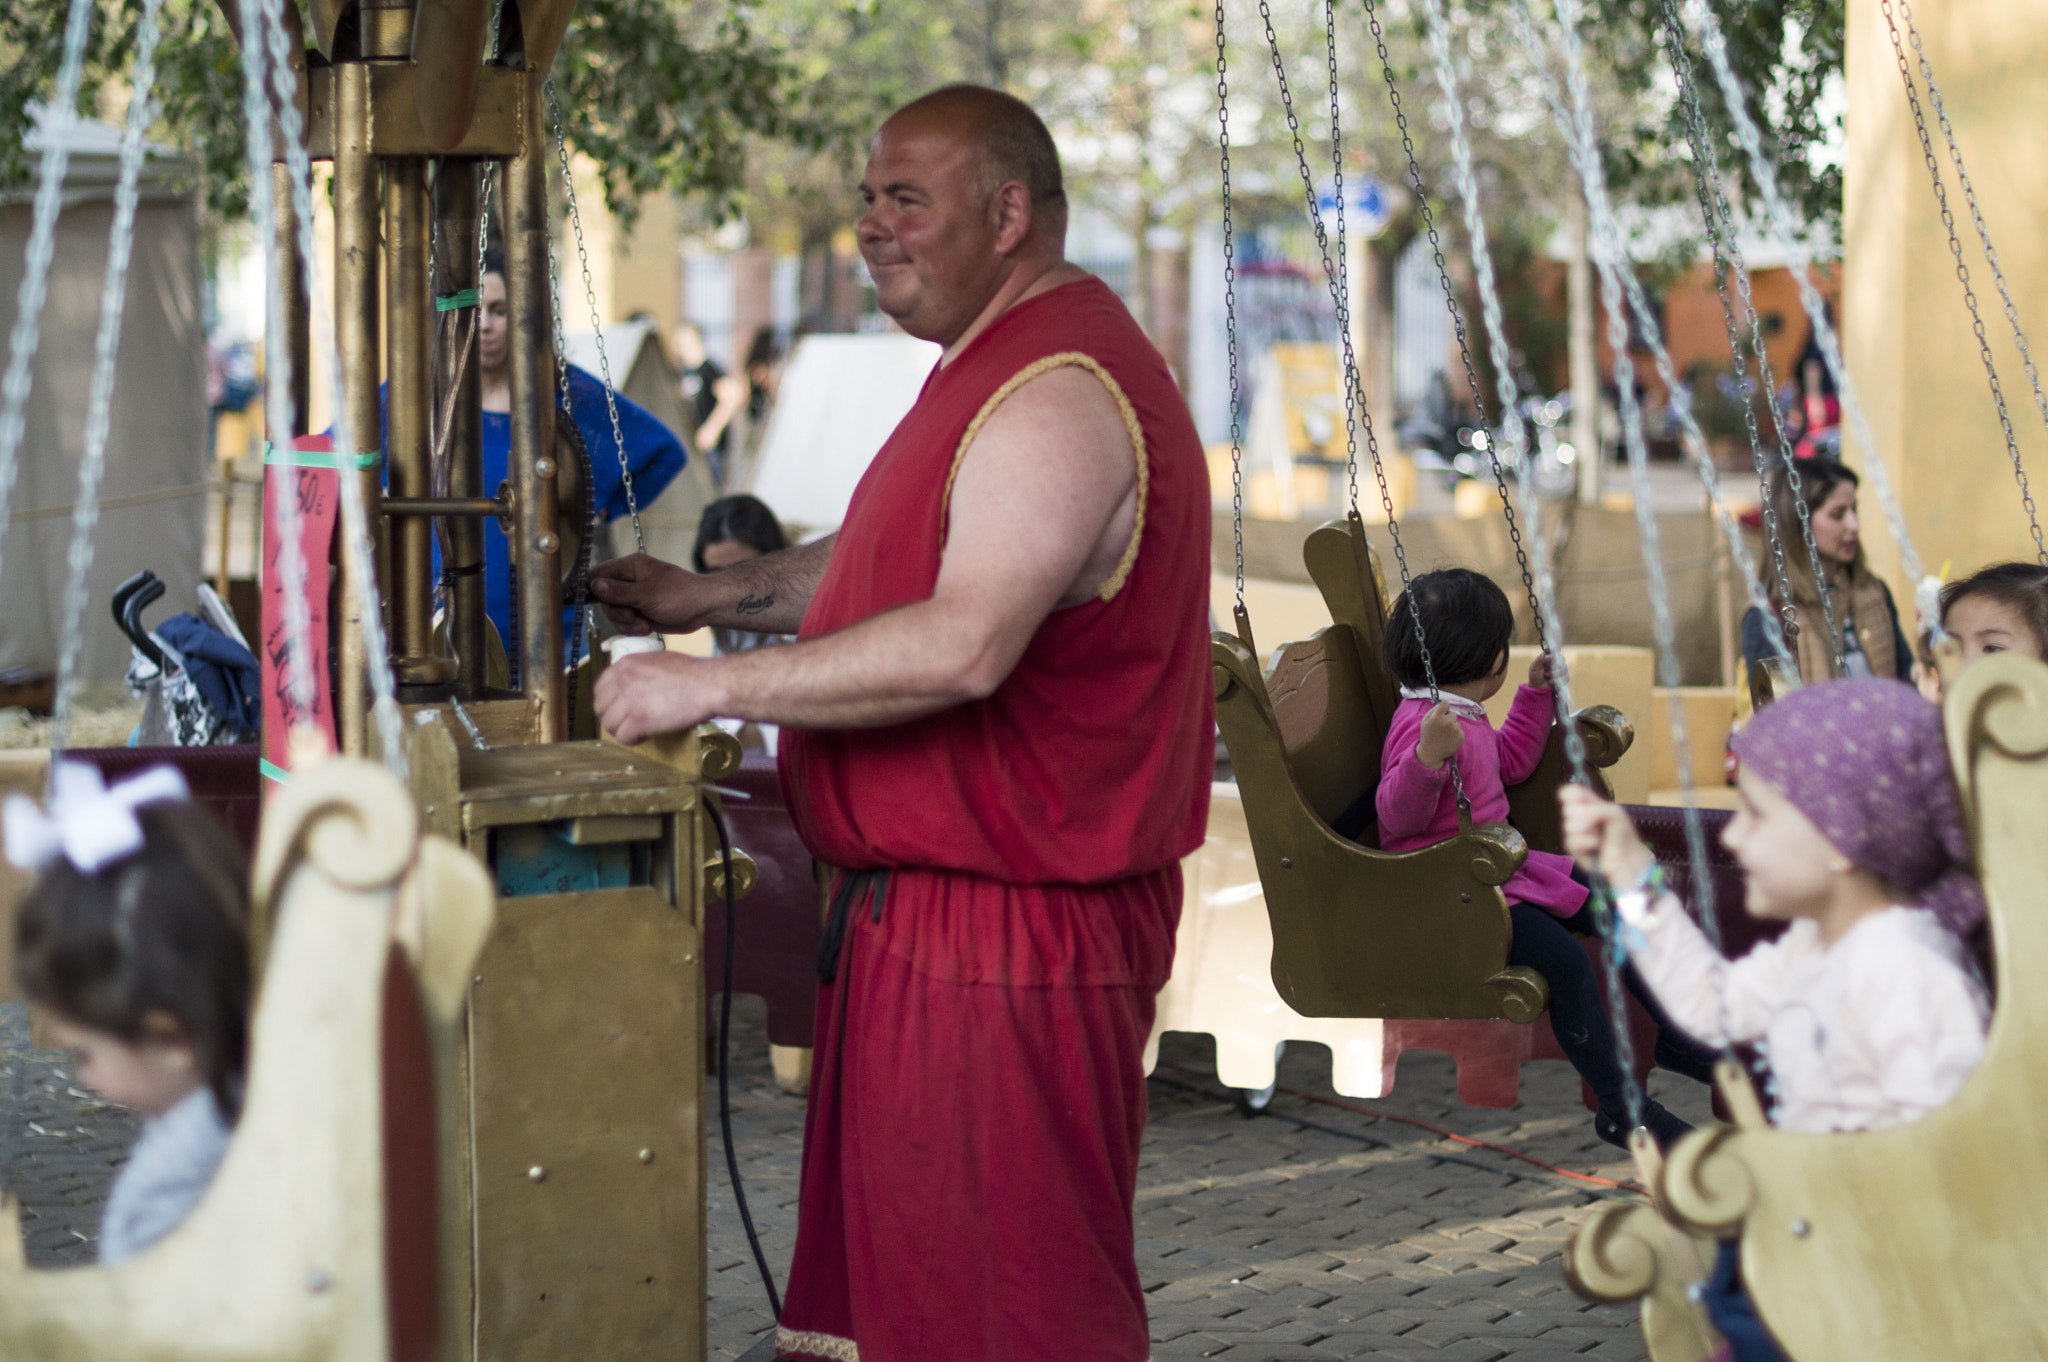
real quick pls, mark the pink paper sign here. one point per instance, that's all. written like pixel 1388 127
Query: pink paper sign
pixel 317 493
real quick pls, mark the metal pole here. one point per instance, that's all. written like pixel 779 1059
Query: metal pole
pixel 356 205
pixel 536 542
pixel 1585 356
pixel 290 283
pixel 455 210
pixel 409 426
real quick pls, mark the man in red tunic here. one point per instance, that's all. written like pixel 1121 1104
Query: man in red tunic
pixel 998 728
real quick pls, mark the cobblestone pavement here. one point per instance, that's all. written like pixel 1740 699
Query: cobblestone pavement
pixel 1313 1231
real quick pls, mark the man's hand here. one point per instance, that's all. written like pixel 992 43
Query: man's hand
pixel 649 693
pixel 1599 836
pixel 1541 670
pixel 1442 736
pixel 641 595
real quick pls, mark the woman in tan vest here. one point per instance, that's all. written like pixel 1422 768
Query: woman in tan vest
pixel 1866 620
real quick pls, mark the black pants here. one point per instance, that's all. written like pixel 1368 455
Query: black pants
pixel 1578 1014
pixel 1734 1313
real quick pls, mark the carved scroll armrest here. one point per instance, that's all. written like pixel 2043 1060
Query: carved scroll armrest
pixel 1607 732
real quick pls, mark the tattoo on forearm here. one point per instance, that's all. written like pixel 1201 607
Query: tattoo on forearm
pixel 754 605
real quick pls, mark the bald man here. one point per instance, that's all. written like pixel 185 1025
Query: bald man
pixel 998 725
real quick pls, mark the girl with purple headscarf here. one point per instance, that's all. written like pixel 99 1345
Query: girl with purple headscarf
pixel 1867 1008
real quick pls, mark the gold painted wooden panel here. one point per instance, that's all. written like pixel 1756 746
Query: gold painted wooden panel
pixel 587 1069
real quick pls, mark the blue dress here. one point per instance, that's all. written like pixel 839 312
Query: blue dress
pixel 652 451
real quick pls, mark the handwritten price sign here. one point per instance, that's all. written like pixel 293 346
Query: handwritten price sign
pixel 317 494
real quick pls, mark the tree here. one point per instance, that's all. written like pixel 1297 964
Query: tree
pixel 660 93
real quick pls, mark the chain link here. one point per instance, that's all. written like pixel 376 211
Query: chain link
pixel 1955 246
pixel 1443 274
pixel 604 368
pixel 1354 381
pixel 1351 382
pixel 1230 311
pixel 1719 218
pixel 578 595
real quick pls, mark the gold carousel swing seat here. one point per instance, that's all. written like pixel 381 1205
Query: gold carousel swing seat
pixel 1360 932
pixel 1919 1241
pixel 317 1240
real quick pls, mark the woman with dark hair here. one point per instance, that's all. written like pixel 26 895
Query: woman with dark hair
pixel 1866 619
pixel 733 530
pixel 651 450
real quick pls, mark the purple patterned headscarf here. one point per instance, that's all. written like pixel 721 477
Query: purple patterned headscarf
pixel 1866 760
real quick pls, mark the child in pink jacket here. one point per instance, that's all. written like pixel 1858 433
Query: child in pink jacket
pixel 1468 623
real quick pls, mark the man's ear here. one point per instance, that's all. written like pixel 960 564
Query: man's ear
pixel 1010 208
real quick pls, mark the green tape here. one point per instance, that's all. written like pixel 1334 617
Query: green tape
pixel 276 773
pixel 452 302
pixel 321 458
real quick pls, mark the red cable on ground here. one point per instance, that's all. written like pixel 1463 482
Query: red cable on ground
pixel 1508 1150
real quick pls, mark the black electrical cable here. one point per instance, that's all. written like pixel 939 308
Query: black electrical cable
pixel 732 1160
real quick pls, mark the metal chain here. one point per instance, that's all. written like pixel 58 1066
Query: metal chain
pixel 578 596
pixel 279 415
pixel 357 552
pixel 1230 312
pixel 1354 381
pixel 1719 218
pixel 1351 380
pixel 1615 270
pixel 604 368
pixel 1443 274
pixel 42 246
pixel 106 346
pixel 1778 216
pixel 1955 247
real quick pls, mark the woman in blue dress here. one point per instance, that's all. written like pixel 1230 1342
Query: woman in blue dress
pixel 652 451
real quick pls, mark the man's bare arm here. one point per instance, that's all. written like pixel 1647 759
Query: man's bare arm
pixel 1041 511
pixel 767 594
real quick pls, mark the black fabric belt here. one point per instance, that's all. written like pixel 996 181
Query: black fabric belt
pixel 854 885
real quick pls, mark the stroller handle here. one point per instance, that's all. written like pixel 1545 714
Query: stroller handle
pixel 131 598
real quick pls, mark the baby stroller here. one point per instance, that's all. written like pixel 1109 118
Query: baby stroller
pixel 200 684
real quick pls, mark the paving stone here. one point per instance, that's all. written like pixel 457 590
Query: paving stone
pixel 1258 1240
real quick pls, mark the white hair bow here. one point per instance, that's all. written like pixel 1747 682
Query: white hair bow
pixel 88 824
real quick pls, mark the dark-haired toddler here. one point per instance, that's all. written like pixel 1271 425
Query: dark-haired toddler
pixel 132 947
pixel 1467 623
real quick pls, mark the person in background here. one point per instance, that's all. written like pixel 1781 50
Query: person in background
pixel 733 530
pixel 1866 619
pixel 715 397
pixel 652 451
pixel 132 947
pixel 764 374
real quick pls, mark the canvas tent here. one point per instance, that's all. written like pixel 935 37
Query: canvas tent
pixel 156 491
pixel 640 370
pixel 840 398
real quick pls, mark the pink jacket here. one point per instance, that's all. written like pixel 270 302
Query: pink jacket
pixel 1418 807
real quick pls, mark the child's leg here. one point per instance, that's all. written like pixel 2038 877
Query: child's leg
pixel 1578 1018
pixel 1578 1014
pixel 1731 1311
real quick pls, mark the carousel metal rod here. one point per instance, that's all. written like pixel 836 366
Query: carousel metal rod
pixel 408 438
pixel 356 214
pixel 289 282
pixel 410 508
pixel 536 543
pixel 455 210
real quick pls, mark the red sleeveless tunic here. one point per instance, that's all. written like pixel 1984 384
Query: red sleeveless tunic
pixel 1091 762
pixel 978 1096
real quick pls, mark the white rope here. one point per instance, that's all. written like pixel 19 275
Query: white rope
pixel 35 275
pixel 1617 277
pixel 355 526
pixel 106 347
pixel 1779 220
pixel 296 664
pixel 1576 125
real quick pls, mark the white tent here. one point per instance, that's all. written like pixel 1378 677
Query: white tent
pixel 839 400
pixel 155 494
